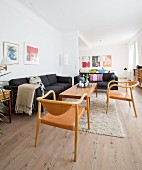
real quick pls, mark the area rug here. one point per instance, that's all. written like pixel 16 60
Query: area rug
pixel 102 123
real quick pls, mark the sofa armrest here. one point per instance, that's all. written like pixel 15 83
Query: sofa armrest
pixel 14 89
pixel 61 79
pixel 76 79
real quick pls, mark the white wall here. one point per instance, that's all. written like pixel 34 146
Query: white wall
pixel 19 25
pixel 138 38
pixel 119 55
pixel 70 47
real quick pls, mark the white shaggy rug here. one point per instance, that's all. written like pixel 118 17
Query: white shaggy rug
pixel 102 123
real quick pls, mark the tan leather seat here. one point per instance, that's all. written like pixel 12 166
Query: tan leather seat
pixel 62 114
pixel 119 95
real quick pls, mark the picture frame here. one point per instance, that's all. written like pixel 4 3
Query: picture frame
pixel 31 53
pixel 85 61
pixel 11 51
pixel 108 61
pixel 95 61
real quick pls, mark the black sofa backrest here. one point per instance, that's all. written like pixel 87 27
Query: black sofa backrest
pixel 45 80
pixel 107 76
pixel 18 81
pixel 52 78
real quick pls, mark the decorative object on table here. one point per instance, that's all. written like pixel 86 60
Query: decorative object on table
pixel 11 51
pixel 125 69
pixel 85 61
pixel 31 54
pixel 83 81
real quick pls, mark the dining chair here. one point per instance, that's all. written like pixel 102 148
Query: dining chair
pixel 126 95
pixel 62 114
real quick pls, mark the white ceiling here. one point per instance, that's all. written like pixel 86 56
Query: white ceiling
pixel 111 21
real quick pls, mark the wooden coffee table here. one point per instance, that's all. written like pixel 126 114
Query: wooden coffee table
pixel 76 93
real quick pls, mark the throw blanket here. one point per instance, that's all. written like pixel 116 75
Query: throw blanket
pixel 25 97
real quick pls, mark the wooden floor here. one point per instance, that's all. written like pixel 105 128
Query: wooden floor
pixel 55 147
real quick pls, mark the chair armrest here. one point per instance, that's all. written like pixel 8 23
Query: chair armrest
pixel 61 79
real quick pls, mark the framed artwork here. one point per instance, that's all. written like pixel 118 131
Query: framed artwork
pixel 11 51
pixel 108 61
pixel 85 61
pixel 95 61
pixel 31 54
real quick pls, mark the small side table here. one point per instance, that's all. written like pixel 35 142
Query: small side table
pixel 5 98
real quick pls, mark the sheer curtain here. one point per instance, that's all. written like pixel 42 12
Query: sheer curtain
pixel 133 59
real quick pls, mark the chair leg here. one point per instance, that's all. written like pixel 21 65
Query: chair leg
pixel 88 113
pixel 75 145
pixel 134 107
pixel 37 129
pixel 107 102
pixel 133 102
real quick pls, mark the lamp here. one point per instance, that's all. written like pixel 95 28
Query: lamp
pixel 5 61
pixel 125 69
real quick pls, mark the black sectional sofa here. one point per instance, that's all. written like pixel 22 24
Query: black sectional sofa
pixel 50 82
pixel 101 84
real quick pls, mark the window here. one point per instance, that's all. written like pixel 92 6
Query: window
pixel 133 55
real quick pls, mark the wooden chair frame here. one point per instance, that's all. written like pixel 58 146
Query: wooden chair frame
pixel 113 94
pixel 63 104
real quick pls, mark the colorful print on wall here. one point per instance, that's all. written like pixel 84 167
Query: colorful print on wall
pixel 108 61
pixel 11 51
pixel 31 54
pixel 95 61
pixel 85 61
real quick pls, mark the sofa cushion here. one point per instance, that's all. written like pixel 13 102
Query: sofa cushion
pixel 112 77
pixel 102 84
pixel 45 80
pixel 56 89
pixel 19 81
pixel 65 85
pixel 61 79
pixel 106 76
pixel 52 78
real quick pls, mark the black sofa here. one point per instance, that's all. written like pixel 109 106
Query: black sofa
pixel 101 84
pixel 50 82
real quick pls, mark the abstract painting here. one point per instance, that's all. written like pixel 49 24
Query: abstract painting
pixel 11 51
pixel 108 61
pixel 85 61
pixel 95 61
pixel 31 54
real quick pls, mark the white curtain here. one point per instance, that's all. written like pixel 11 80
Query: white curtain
pixel 133 59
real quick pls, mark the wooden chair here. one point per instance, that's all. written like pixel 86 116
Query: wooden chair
pixel 119 95
pixel 62 114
